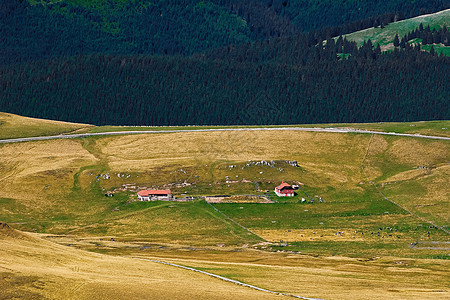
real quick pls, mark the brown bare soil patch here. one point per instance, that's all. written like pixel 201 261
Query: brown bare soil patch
pixel 238 199
pixel 298 235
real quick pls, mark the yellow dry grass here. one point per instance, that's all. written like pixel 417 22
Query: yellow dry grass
pixel 431 196
pixel 167 224
pixel 417 152
pixel 60 272
pixel 238 199
pixel 441 132
pixel 296 235
pixel 212 146
pixel 37 172
pixel 331 157
pixel 378 145
pixel 440 178
pixel 323 277
pixel 35 157
pixel 408 175
pixel 14 126
pixel 335 277
pixel 46 169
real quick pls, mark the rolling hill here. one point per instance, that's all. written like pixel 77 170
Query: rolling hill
pixel 34 268
pixel 369 218
pixel 14 126
pixel 374 209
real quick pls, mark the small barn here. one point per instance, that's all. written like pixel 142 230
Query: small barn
pixel 152 195
pixel 284 190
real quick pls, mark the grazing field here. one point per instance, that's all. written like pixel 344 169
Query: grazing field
pixel 335 277
pixel 68 179
pixel 368 206
pixel 33 268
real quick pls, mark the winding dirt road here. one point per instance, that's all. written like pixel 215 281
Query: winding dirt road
pixel 333 130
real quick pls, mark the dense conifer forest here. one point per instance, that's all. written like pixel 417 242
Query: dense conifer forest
pixel 136 62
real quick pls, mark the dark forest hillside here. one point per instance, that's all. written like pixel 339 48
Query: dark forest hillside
pixel 70 27
pixel 141 90
pixel 137 62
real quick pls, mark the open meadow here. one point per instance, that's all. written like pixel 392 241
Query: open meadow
pixel 370 219
pixel 33 268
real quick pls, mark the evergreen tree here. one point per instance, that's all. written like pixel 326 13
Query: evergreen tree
pixel 403 42
pixel 378 50
pixel 432 51
pixel 396 41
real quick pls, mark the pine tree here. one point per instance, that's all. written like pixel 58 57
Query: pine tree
pixel 378 50
pixel 403 42
pixel 396 41
pixel 432 52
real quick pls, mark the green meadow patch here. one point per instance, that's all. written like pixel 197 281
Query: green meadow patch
pixel 385 36
pixel 296 216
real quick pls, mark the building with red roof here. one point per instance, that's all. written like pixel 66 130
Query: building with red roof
pixel 151 195
pixel 284 190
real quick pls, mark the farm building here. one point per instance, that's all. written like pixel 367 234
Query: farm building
pixel 284 190
pixel 151 195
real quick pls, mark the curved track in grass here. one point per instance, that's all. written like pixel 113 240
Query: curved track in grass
pixel 332 130
pixel 227 279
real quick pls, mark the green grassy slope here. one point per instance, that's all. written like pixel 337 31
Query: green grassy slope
pixel 385 36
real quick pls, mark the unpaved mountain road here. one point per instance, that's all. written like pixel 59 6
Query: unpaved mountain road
pixel 333 130
pixel 226 279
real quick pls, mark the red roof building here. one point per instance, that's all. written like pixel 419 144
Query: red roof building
pixel 284 190
pixel 150 195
